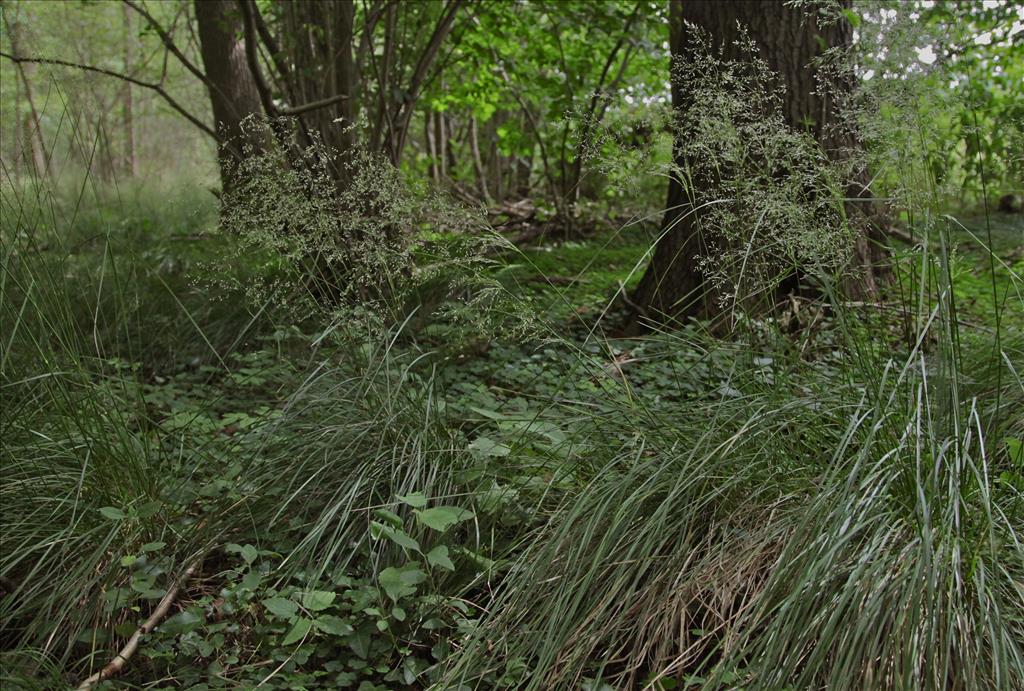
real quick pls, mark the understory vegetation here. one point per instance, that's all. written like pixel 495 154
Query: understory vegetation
pixel 326 436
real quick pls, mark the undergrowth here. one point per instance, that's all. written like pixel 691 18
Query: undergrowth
pixel 469 485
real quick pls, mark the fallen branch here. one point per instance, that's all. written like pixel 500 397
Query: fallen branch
pixel 114 667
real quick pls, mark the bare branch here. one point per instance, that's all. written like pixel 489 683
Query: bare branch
pixel 312 105
pixel 284 73
pixel 168 41
pixel 118 75
pixel 253 59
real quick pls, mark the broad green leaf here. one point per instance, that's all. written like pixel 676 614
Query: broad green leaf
pixel 389 517
pixel 251 580
pixel 399 582
pixel 317 600
pixel 485 447
pixel 249 553
pixel 150 508
pixel 335 626
pixel 113 514
pixel 183 622
pixel 1016 449
pixel 441 518
pixel 298 632
pixel 399 537
pixel 281 608
pixel 439 557
pixel 416 500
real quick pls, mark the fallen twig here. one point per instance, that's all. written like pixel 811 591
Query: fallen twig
pixel 114 667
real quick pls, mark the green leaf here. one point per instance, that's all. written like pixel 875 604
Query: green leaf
pixel 360 644
pixel 486 448
pixel 399 582
pixel 182 622
pixel 113 514
pixel 249 553
pixel 399 537
pixel 298 632
pixel 441 518
pixel 1016 450
pixel 439 557
pixel 153 546
pixel 416 500
pixel 398 613
pixel 317 600
pixel 251 580
pixel 150 508
pixel 281 608
pixel 389 517
pixel 335 626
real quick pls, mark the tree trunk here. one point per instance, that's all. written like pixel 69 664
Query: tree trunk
pixel 130 166
pixel 434 162
pixel 790 41
pixel 33 125
pixel 478 164
pixel 232 88
pixel 318 43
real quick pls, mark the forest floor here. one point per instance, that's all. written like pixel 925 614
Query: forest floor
pixel 354 508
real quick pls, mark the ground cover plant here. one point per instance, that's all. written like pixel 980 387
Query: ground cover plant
pixel 436 391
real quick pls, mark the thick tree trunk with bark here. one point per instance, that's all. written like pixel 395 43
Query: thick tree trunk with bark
pixel 233 92
pixel 790 40
pixel 318 42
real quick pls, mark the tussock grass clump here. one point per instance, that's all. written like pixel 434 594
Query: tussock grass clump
pixel 862 535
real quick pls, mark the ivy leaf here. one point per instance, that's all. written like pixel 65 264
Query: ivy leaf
pixel 398 583
pixel 441 518
pixel 281 608
pixel 439 557
pixel 317 600
pixel 298 632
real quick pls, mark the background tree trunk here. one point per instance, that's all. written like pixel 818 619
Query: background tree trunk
pixel 233 92
pixel 130 158
pixel 32 129
pixel 790 40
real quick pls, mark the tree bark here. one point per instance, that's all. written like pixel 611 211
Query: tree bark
pixel 130 159
pixel 318 43
pixel 478 164
pixel 434 163
pixel 33 123
pixel 232 88
pixel 790 41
